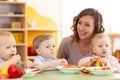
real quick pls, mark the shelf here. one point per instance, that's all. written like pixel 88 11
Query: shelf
pixel 44 29
pixel 9 29
pixel 23 35
pixel 11 2
pixel 13 19
pixel 12 15
pixel 114 35
pixel 22 44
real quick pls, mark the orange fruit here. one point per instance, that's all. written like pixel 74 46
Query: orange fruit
pixel 4 76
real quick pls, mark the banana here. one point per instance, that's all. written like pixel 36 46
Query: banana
pixel 96 64
pixel 4 70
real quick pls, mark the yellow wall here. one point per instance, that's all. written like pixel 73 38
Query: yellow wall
pixel 41 21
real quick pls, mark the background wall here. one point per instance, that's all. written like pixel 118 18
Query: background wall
pixel 108 8
pixel 61 12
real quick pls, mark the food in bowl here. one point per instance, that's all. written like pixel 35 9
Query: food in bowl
pixel 101 70
pixel 70 68
pixel 85 69
pixel 31 72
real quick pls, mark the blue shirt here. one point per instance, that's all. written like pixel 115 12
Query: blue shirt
pixel 41 60
pixel 1 60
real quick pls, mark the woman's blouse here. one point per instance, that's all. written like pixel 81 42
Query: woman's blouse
pixel 70 52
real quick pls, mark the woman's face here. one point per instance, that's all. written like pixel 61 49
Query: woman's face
pixel 85 27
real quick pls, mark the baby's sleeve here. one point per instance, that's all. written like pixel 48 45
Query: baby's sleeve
pixel 114 63
pixel 38 61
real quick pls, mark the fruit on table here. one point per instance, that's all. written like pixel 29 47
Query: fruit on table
pixel 106 68
pixel 97 64
pixel 4 76
pixel 71 66
pixel 4 70
pixel 15 71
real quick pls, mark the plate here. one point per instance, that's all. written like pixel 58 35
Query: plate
pixel 12 79
pixel 100 71
pixel 68 70
pixel 50 69
pixel 30 72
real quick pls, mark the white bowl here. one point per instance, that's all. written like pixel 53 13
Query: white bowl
pixel 30 72
pixel 99 71
pixel 12 79
pixel 68 70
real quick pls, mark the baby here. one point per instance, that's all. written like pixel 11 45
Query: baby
pixel 45 48
pixel 102 49
pixel 8 51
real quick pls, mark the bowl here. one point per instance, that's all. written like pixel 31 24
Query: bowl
pixel 31 72
pixel 101 71
pixel 12 79
pixel 68 70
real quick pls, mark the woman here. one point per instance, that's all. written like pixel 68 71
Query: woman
pixel 85 25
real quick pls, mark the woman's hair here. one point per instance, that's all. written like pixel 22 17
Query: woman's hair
pixel 40 38
pixel 97 22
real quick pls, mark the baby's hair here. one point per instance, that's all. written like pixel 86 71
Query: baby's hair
pixel 5 33
pixel 98 37
pixel 40 38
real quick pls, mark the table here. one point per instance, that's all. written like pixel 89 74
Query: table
pixel 56 75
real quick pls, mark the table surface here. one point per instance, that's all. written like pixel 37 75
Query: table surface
pixel 57 75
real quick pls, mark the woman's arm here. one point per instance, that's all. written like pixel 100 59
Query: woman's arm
pixel 63 50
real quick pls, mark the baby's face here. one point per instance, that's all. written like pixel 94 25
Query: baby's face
pixel 7 47
pixel 47 48
pixel 102 47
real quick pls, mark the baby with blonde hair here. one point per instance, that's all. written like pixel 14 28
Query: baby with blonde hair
pixel 101 47
pixel 8 51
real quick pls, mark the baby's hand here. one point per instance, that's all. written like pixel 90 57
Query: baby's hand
pixel 15 59
pixel 103 60
pixel 95 58
pixel 62 62
pixel 28 64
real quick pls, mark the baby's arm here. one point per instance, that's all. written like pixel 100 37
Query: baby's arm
pixel 15 59
pixel 28 64
pixel 46 65
pixel 84 61
pixel 62 61
pixel 113 63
